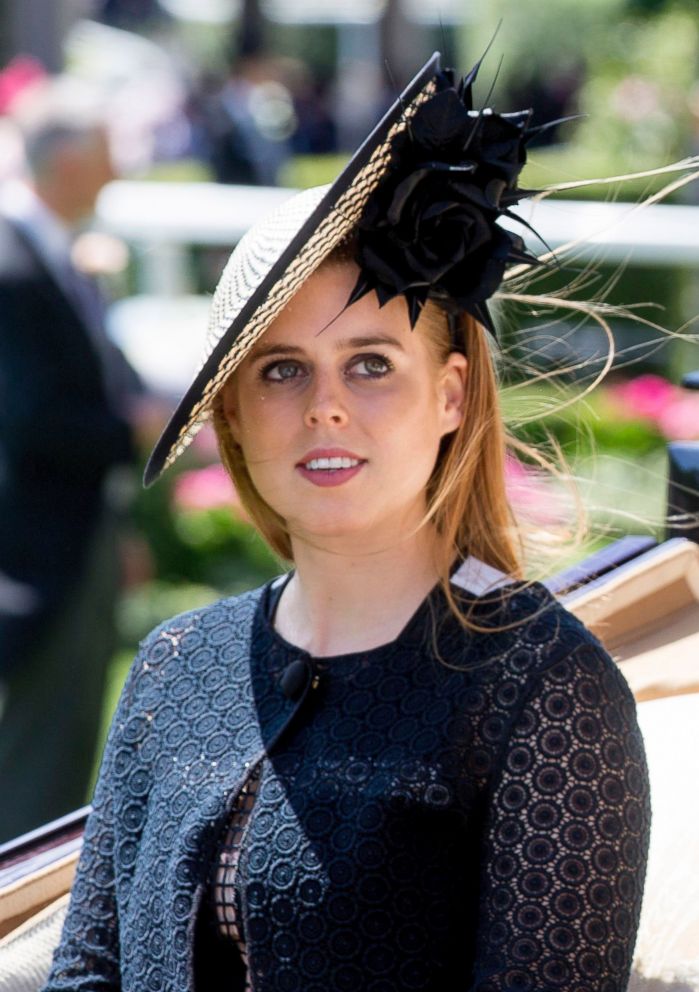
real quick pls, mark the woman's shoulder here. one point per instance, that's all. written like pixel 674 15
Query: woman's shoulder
pixel 230 613
pixel 523 624
pixel 196 658
pixel 187 645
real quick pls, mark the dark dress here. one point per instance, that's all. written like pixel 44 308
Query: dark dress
pixel 448 811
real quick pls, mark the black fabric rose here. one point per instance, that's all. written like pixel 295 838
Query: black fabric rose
pixel 429 229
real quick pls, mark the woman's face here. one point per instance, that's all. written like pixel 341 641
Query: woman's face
pixel 340 420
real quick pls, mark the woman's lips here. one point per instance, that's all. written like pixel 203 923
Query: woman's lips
pixel 330 467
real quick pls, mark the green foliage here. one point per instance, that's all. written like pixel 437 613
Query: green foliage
pixel 646 6
pixel 143 608
pixel 540 36
pixel 211 548
pixel 636 97
pixel 618 462
pixel 304 171
pixel 588 427
pixel 182 170
pixel 636 70
pixel 572 161
pixel 313 44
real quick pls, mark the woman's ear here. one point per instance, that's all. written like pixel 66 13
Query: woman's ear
pixel 453 391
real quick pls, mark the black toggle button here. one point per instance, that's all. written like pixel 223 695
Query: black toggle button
pixel 295 678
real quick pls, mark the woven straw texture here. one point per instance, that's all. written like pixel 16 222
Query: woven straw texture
pixel 26 954
pixel 258 255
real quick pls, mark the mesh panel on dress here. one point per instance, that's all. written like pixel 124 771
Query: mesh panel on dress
pixel 225 892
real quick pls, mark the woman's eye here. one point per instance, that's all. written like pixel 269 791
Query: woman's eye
pixel 371 366
pixel 280 371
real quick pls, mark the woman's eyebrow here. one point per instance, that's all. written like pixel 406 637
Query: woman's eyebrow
pixel 369 341
pixel 265 350
pixel 362 341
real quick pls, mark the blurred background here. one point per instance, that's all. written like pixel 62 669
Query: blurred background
pixel 215 109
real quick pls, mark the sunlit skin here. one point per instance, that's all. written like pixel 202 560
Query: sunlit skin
pixel 362 386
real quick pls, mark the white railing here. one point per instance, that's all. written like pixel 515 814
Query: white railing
pixel 160 220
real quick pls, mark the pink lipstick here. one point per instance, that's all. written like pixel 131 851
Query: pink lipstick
pixel 330 466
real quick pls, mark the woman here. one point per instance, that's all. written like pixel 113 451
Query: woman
pixel 399 767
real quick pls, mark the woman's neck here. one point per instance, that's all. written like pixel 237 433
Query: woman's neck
pixel 341 603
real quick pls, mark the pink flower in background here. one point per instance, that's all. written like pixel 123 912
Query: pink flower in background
pixel 672 410
pixel 206 489
pixel 532 494
pixel 646 396
pixel 18 77
pixel 679 421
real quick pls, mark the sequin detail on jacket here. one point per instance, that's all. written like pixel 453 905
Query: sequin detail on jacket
pixel 416 828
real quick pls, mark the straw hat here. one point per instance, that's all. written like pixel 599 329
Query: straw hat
pixel 278 254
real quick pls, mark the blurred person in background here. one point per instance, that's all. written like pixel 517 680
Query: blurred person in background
pixel 297 102
pixel 249 123
pixel 316 131
pixel 64 429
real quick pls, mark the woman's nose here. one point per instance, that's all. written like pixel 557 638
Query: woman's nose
pixel 324 405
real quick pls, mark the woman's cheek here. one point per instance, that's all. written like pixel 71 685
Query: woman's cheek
pixel 264 420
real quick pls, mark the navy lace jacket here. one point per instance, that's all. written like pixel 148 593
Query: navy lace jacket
pixel 473 821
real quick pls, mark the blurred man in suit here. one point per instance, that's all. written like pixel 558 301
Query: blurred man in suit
pixel 64 427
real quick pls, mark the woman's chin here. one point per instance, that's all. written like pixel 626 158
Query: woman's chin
pixel 351 533
pixel 331 528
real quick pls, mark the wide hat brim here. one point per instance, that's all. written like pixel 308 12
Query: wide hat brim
pixel 274 259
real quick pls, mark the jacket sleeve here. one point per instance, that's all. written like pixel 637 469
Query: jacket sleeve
pixel 566 837
pixel 87 958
